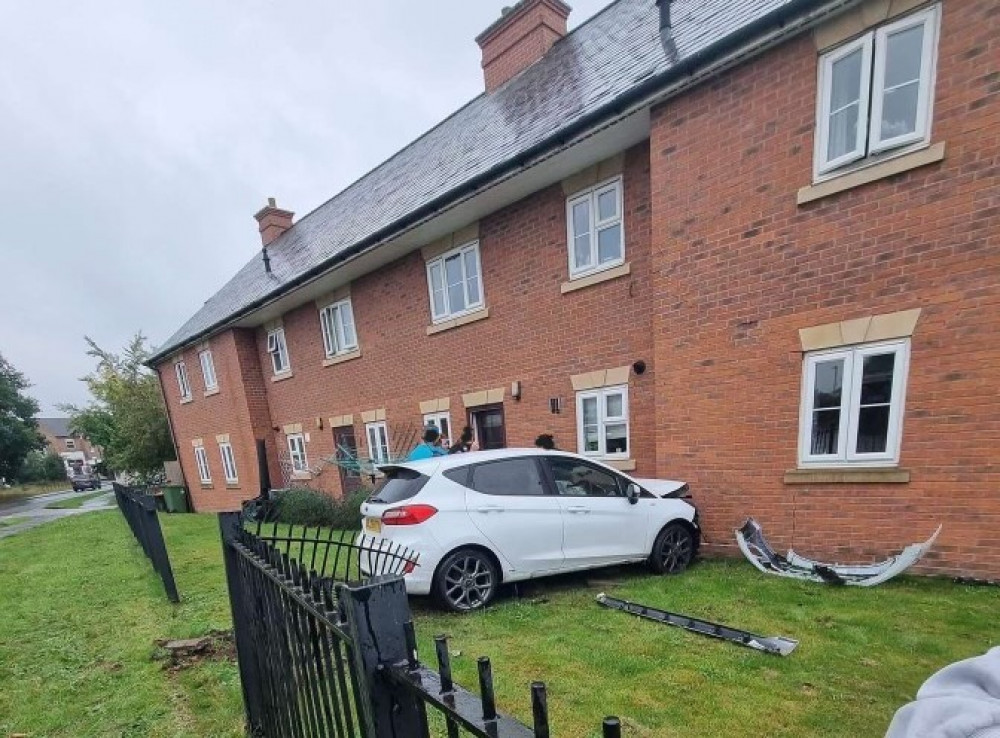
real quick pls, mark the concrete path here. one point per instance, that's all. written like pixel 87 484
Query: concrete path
pixel 34 513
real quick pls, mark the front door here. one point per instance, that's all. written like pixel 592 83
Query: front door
pixel 347 459
pixel 487 423
pixel 600 526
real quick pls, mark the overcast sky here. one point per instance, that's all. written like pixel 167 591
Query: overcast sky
pixel 137 139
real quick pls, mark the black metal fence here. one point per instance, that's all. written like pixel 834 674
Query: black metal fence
pixel 139 510
pixel 327 647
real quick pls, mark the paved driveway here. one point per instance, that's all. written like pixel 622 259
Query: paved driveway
pixel 31 511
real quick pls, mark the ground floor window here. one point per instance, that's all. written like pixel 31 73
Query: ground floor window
pixel 228 462
pixel 201 458
pixel 602 422
pixel 852 404
pixel 378 442
pixel 442 421
pixel 297 452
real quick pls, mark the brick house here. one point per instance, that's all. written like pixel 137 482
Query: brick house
pixel 76 451
pixel 751 244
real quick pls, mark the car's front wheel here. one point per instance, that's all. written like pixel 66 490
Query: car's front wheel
pixel 673 549
pixel 466 580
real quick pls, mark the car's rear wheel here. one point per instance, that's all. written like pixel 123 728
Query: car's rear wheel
pixel 467 580
pixel 673 549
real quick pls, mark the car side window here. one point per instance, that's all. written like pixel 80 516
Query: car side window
pixel 574 478
pixel 508 477
pixel 459 475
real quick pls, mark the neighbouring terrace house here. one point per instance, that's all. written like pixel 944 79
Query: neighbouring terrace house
pixel 76 451
pixel 751 244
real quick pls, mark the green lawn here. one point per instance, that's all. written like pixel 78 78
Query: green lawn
pixel 12 520
pixel 19 491
pixel 71 503
pixel 83 608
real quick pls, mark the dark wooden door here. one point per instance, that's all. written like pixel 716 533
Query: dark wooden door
pixel 489 427
pixel 347 458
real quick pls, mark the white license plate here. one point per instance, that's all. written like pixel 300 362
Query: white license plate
pixel 373 525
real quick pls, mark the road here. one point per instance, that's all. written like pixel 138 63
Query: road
pixel 33 510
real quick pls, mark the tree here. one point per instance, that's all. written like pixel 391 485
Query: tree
pixel 41 466
pixel 18 428
pixel 127 417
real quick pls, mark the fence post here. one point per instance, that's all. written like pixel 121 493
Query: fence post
pixel 377 613
pixel 246 649
pixel 156 547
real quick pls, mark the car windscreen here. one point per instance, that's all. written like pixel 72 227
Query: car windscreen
pixel 398 484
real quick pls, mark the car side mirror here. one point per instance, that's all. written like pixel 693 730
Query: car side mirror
pixel 632 492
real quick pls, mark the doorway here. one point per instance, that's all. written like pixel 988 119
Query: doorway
pixel 487 424
pixel 347 459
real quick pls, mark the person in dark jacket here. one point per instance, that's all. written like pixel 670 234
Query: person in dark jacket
pixel 546 441
pixel 464 442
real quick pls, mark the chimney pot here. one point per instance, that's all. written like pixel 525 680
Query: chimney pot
pixel 272 221
pixel 522 35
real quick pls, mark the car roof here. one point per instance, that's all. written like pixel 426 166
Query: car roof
pixel 451 461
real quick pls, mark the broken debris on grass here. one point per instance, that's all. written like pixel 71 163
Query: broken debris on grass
pixel 218 645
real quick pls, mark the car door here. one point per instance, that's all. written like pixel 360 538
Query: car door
pixel 509 502
pixel 600 525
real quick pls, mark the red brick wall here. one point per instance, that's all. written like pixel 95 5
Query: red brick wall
pixel 738 268
pixel 239 409
pixel 534 334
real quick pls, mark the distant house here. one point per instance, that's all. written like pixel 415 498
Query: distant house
pixel 76 452
pixel 732 242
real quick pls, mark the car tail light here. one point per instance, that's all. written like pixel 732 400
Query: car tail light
pixel 408 515
pixel 410 566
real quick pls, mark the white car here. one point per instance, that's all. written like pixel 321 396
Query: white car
pixel 479 519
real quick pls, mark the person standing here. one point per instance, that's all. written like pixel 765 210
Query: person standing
pixel 546 441
pixel 464 442
pixel 429 447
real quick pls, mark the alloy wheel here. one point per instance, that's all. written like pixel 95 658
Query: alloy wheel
pixel 675 550
pixel 468 582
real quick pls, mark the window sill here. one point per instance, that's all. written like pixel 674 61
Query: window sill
pixel 210 392
pixel 186 400
pixel 579 283
pixel 302 476
pixel 460 320
pixel 620 464
pixel 840 475
pixel 341 358
pixel 232 485
pixel 871 173
pixel 207 485
pixel 281 377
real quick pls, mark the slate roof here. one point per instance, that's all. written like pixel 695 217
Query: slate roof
pixel 58 427
pixel 584 77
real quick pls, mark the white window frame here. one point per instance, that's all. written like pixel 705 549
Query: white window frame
pixel 869 134
pixel 228 462
pixel 591 195
pixel 201 461
pixel 334 320
pixel 70 444
pixel 208 369
pixel 377 452
pixel 436 419
pixel 297 452
pixel 603 420
pixel 853 358
pixel 277 346
pixel 183 383
pixel 439 261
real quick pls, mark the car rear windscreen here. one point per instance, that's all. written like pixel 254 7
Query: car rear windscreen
pixel 398 485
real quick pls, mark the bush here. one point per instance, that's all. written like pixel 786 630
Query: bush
pixel 308 507
pixel 39 466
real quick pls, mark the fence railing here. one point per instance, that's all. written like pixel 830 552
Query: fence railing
pixel 334 654
pixel 139 510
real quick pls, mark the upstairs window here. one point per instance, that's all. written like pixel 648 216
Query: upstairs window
pixel 201 459
pixel 182 380
pixel 852 405
pixel 70 444
pixel 208 369
pixel 337 321
pixel 378 442
pixel 875 92
pixel 455 283
pixel 228 462
pixel 278 350
pixel 297 453
pixel 595 228
pixel 602 422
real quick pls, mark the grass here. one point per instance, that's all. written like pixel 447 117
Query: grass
pixel 77 635
pixel 12 520
pixel 71 503
pixel 19 491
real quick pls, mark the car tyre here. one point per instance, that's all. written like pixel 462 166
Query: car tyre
pixel 466 580
pixel 673 549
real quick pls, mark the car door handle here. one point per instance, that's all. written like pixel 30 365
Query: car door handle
pixel 578 509
pixel 489 509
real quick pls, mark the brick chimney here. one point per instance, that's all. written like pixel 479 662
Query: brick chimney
pixel 272 221
pixel 520 37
